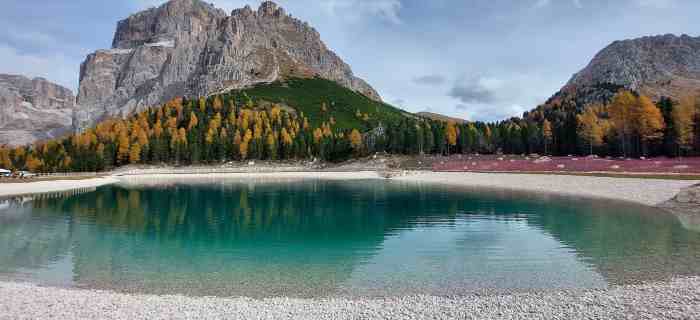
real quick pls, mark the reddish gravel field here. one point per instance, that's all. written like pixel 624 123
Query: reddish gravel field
pixel 494 163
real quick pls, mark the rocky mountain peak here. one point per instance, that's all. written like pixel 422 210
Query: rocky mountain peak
pixel 33 109
pixel 664 65
pixel 270 9
pixel 191 48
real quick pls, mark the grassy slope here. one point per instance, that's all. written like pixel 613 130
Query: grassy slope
pixel 307 95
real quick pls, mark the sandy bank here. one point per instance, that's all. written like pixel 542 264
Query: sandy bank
pixel 285 175
pixel 643 191
pixel 675 300
pixel 14 189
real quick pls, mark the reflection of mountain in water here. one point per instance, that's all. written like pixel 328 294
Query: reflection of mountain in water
pixel 305 239
pixel 324 228
pixel 626 243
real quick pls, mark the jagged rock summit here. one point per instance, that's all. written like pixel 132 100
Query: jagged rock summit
pixel 657 66
pixel 191 48
pixel 33 109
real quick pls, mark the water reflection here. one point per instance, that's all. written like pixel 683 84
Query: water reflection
pixel 312 238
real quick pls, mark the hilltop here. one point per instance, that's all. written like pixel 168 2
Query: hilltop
pixel 190 48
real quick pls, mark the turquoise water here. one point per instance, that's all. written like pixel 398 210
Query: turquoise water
pixel 323 238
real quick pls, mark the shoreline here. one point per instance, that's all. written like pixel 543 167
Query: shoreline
pixel 40 187
pixel 649 192
pixel 675 299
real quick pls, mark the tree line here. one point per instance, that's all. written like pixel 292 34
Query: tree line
pixel 220 128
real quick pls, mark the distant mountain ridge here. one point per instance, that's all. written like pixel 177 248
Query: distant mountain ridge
pixel 191 48
pixel 439 117
pixel 33 109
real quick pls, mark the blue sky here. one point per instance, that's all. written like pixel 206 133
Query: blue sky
pixel 475 59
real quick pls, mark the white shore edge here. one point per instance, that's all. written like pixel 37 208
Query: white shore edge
pixel 29 188
pixel 648 192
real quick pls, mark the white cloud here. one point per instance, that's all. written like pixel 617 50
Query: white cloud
pixel 544 3
pixel 659 4
pixel 387 9
pixel 491 98
pixel 55 67
pixel 352 10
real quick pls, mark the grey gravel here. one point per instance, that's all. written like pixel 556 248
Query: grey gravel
pixel 678 299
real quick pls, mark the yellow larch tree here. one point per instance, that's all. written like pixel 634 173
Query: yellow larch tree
pixel 650 121
pixel 589 128
pixel 135 153
pixel 546 134
pixel 356 141
pixel 621 113
pixel 683 116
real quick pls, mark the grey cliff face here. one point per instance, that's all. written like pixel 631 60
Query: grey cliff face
pixel 33 109
pixel 188 47
pixel 658 66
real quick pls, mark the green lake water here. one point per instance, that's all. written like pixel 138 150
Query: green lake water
pixel 316 238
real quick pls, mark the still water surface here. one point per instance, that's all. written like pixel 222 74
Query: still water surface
pixel 316 238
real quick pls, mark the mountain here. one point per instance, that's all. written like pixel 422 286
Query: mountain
pixel 657 66
pixel 190 48
pixel 33 109
pixel 439 117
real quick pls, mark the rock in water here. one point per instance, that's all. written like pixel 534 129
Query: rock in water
pixel 190 48
pixel 33 109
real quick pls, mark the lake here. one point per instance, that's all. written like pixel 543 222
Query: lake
pixel 319 238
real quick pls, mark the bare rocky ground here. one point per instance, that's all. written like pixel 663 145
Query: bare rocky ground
pixel 679 299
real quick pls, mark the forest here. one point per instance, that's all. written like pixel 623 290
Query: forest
pixel 237 127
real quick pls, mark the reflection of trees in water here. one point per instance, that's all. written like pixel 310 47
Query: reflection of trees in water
pixel 232 212
pixel 626 243
pixel 183 231
pixel 26 244
pixel 311 233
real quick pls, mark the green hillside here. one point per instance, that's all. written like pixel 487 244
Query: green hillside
pixel 309 95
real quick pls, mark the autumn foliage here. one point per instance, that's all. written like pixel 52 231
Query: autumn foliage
pixel 225 127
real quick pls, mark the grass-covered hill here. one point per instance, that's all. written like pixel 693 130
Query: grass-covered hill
pixel 309 96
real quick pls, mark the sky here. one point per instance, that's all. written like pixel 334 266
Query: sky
pixel 474 59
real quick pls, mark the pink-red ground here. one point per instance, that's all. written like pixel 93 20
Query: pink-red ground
pixel 506 163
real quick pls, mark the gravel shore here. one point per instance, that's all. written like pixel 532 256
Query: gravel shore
pixel 679 299
pixel 643 191
pixel 16 189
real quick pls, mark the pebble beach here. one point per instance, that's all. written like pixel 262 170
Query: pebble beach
pixel 678 299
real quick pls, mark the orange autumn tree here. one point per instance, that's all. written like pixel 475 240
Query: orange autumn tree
pixel 356 141
pixel 650 122
pixel 589 128
pixel 683 116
